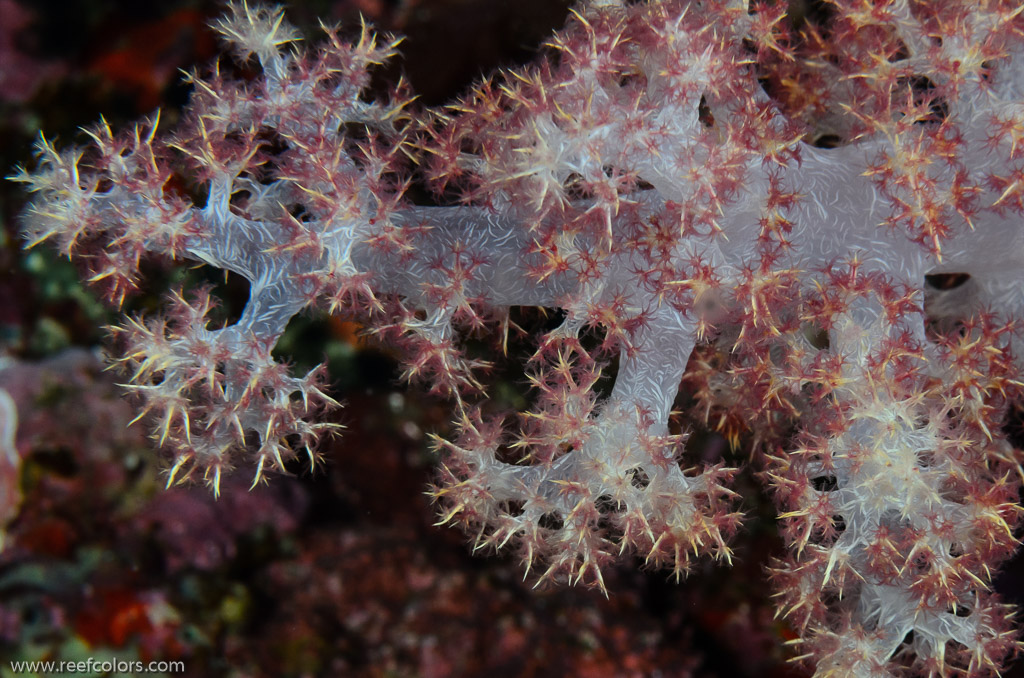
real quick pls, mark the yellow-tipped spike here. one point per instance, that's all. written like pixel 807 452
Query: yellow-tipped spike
pixel 178 464
pixel 259 473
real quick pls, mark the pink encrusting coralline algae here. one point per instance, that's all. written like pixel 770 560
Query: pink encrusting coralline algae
pixel 738 197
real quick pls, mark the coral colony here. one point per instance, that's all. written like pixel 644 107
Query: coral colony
pixel 808 224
